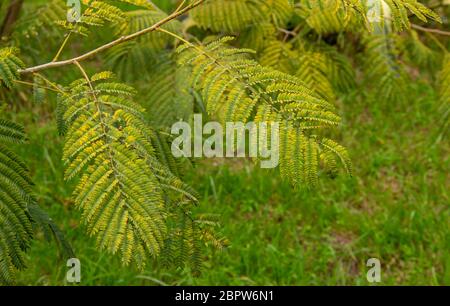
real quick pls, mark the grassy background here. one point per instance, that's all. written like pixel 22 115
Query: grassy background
pixel 396 208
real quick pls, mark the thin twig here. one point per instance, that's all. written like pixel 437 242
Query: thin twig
pixel 66 40
pixel 180 6
pixel 56 87
pixel 420 28
pixel 85 75
pixel 33 84
pixel 185 41
pixel 435 31
pixel 287 32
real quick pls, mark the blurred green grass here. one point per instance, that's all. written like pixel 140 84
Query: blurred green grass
pixel 396 208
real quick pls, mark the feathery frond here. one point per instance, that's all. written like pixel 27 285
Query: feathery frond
pixel 279 11
pixel 279 55
pixel 41 220
pixel 228 15
pixel 383 69
pixel 235 88
pixel 123 185
pixel 231 16
pixel 42 21
pixel 258 36
pixel 325 70
pixel 96 13
pixel 16 196
pixel 168 94
pixel 10 65
pixel 418 52
pixel 331 16
pixel 108 144
pixel 401 8
pixel 314 70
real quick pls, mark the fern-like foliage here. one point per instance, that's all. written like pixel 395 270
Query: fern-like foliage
pixel 181 248
pixel 50 19
pixel 418 52
pixel 331 16
pixel 41 22
pixel 95 13
pixel 228 15
pixel 16 230
pixel 279 11
pixel 444 85
pixel 168 96
pixel 232 16
pixel 314 71
pixel 9 66
pixel 259 36
pixel 383 69
pixel 401 8
pixel 322 69
pixel 20 215
pixel 123 187
pixel 140 3
pixel 236 88
pixel 119 195
pixel 325 70
pixel 340 69
pixel 280 55
pixel 43 222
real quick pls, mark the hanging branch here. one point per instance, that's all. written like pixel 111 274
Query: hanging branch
pixel 114 43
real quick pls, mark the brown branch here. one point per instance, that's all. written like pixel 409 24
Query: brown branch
pixel 435 31
pixel 113 43
pixel 11 17
pixel 424 29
